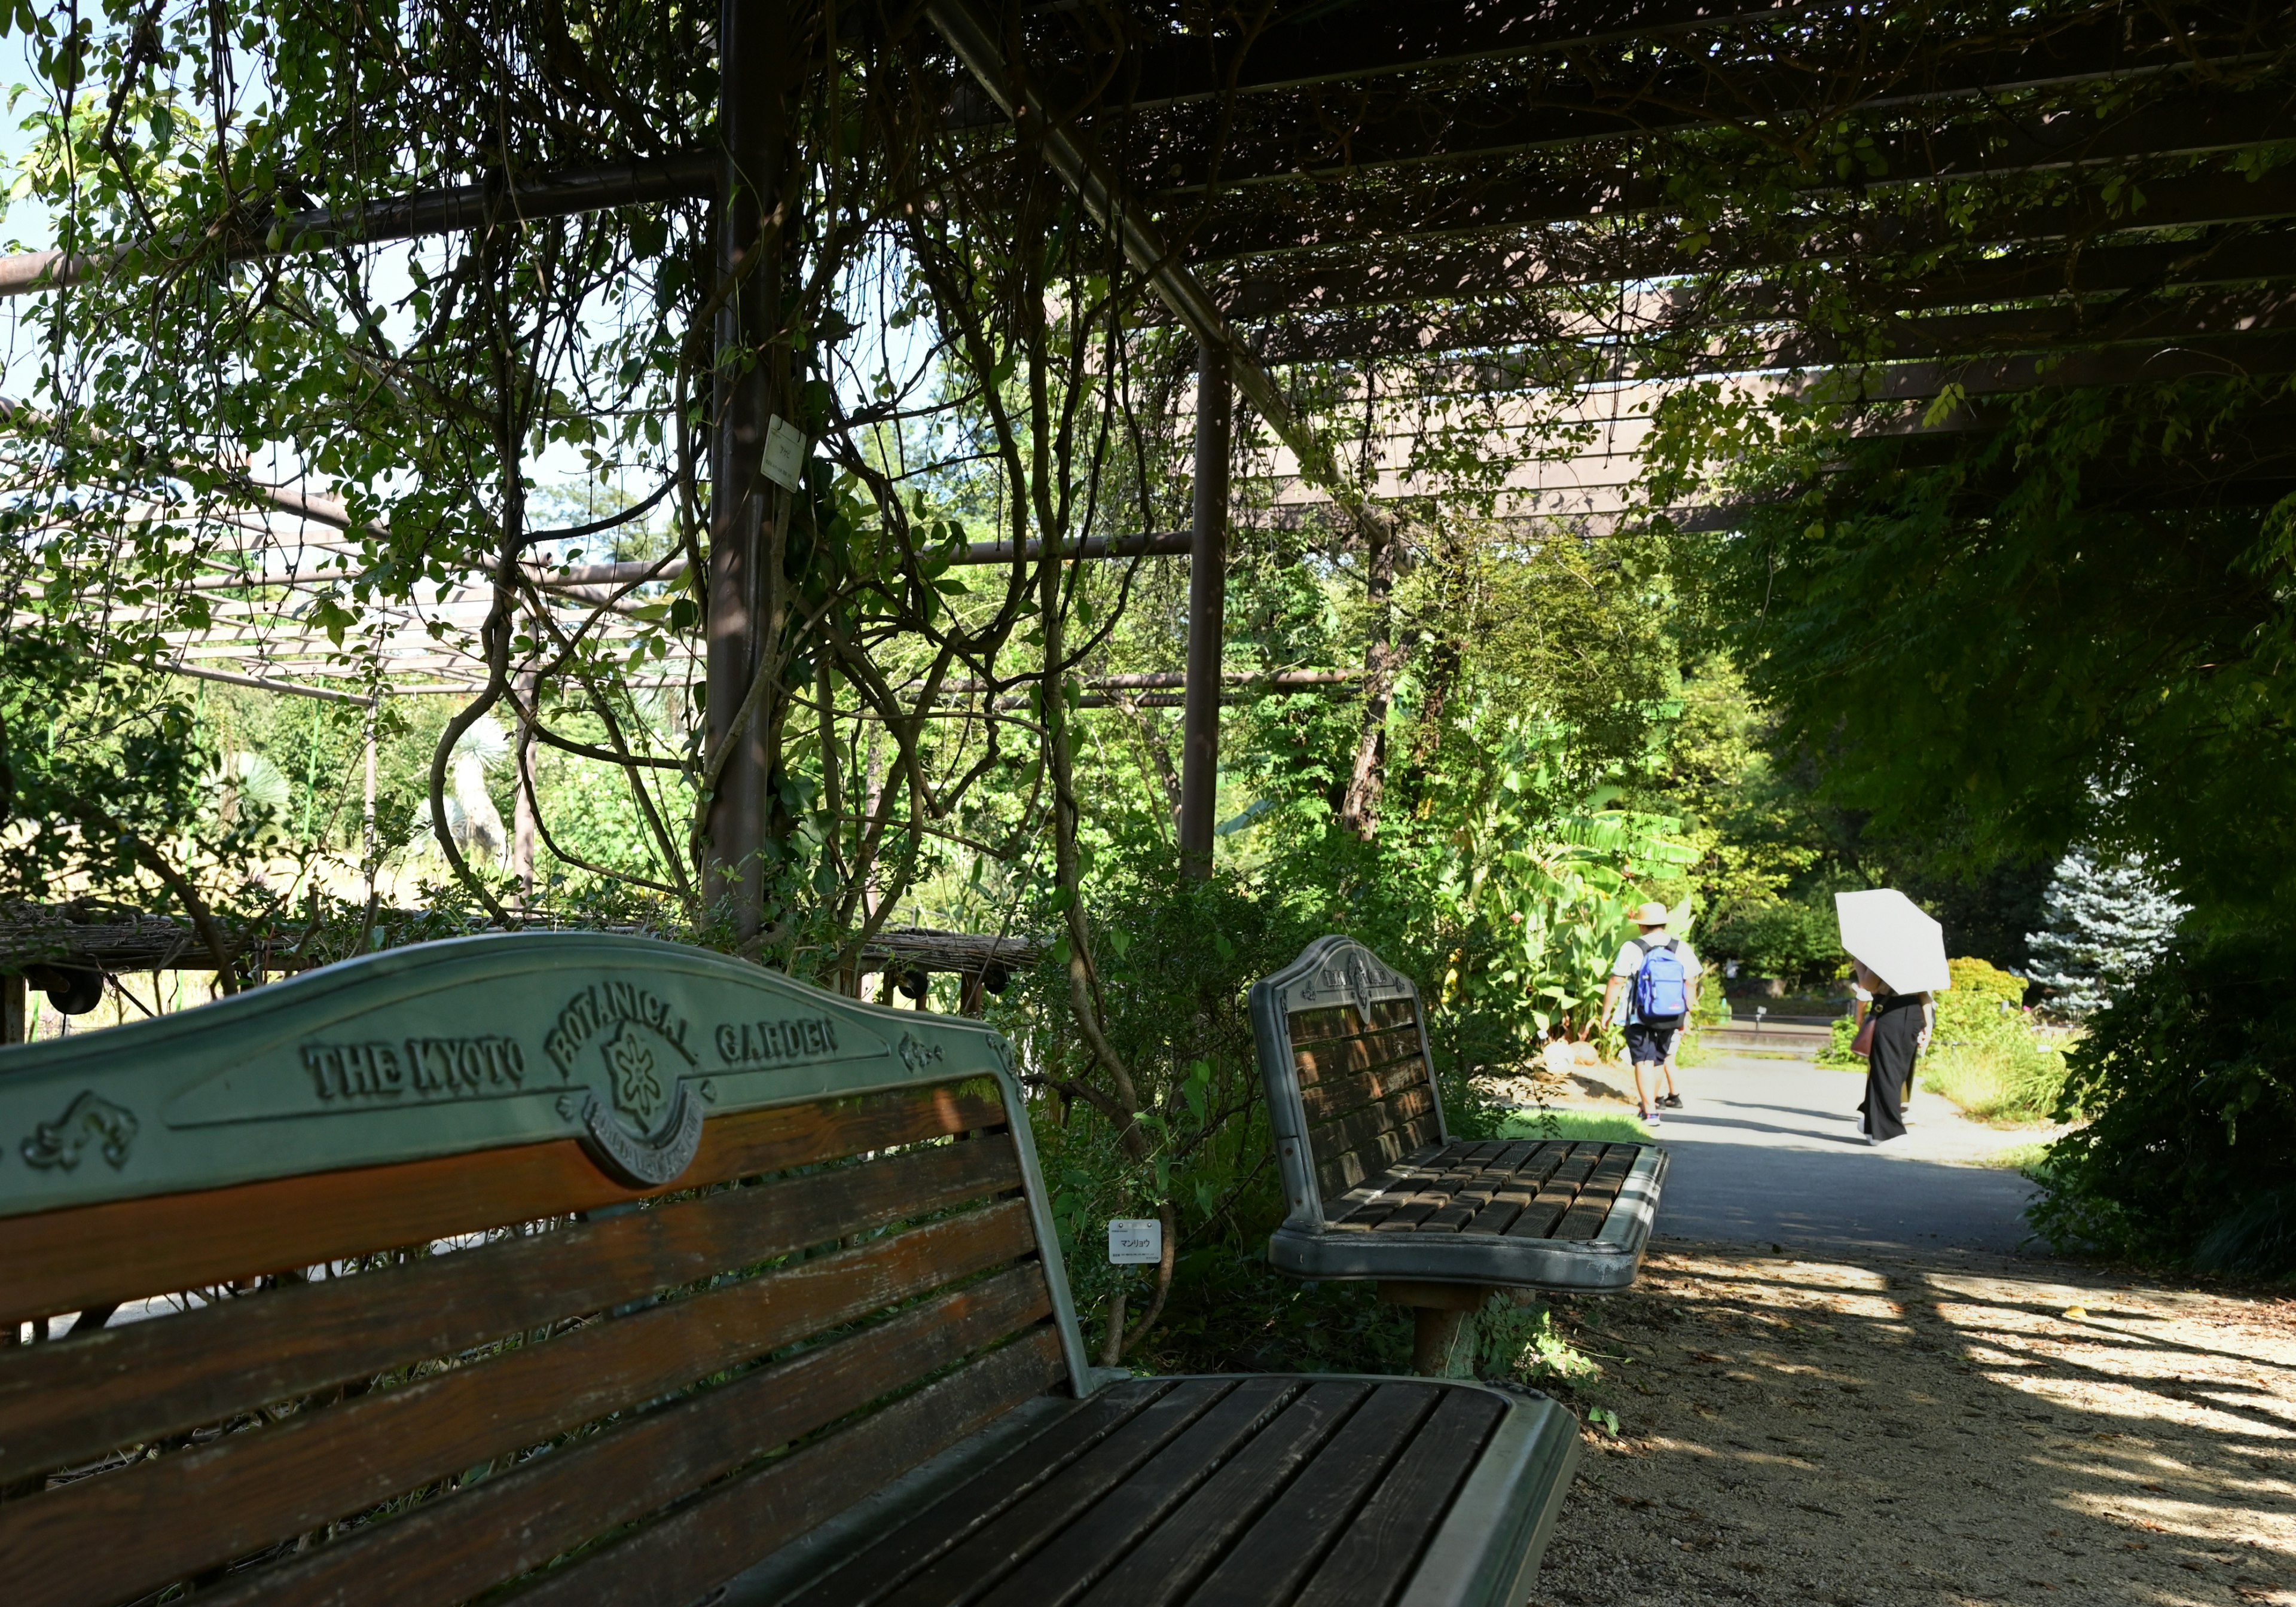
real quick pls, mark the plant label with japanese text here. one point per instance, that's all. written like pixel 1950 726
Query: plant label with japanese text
pixel 1135 1242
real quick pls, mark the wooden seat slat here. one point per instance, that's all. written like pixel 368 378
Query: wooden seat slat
pixel 1555 1196
pixel 69 1260
pixel 1433 1193
pixel 1368 1205
pixel 71 1402
pixel 682 1558
pixel 916 1544
pixel 446 1552
pixel 1515 1193
pixel 1584 1220
pixel 245 1491
pixel 1384 1540
pixel 1280 1551
pixel 1468 1203
pixel 1090 1546
pixel 1166 1567
pixel 1019 1531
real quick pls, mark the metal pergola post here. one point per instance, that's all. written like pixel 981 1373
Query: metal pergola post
pixel 1206 612
pixel 751 35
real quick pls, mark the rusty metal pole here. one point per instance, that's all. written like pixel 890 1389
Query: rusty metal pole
pixel 750 33
pixel 1207 612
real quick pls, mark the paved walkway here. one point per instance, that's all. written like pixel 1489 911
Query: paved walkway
pixel 1768 1150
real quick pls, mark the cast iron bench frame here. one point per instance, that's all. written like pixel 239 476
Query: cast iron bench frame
pixel 630 1272
pixel 1378 1188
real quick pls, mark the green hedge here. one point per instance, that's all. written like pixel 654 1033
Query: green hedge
pixel 2189 1081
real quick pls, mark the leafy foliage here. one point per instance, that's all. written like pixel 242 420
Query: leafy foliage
pixel 2188 1080
pixel 1949 641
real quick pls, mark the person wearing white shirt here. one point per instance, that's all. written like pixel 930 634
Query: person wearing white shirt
pixel 1671 992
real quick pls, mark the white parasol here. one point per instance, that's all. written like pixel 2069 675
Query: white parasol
pixel 1896 940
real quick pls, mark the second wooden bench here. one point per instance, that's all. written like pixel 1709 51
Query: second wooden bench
pixel 1377 1186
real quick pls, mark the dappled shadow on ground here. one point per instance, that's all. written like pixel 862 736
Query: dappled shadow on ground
pixel 1933 1428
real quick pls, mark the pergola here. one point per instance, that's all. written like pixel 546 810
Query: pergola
pixel 1960 204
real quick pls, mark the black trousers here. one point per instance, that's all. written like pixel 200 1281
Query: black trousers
pixel 1890 1068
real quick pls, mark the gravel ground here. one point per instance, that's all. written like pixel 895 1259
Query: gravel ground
pixel 1936 1428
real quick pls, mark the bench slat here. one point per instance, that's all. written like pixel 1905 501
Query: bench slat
pixel 1586 1216
pixel 1554 1197
pixel 246 1491
pixel 1378 1135
pixel 1479 1192
pixel 1386 1538
pixel 1281 1549
pixel 680 1560
pixel 950 1521
pixel 1366 1207
pixel 74 1400
pixel 1341 1096
pixel 1018 1531
pixel 447 1551
pixel 1338 1057
pixel 1432 1194
pixel 1090 1546
pixel 1166 1565
pixel 1514 1194
pixel 1344 1021
pixel 67 1260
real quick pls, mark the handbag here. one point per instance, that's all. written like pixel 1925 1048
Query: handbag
pixel 1862 1045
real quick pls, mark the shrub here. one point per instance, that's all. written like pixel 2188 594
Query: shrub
pixel 2189 1078
pixel 1790 940
pixel 2010 1080
pixel 1985 1054
pixel 1836 1053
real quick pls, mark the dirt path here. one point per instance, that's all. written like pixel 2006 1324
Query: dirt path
pixel 1937 1428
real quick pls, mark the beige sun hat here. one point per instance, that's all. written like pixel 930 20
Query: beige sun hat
pixel 1652 913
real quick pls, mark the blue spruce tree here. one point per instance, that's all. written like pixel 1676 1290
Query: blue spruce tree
pixel 2107 923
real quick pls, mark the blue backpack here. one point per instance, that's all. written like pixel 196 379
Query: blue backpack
pixel 1662 986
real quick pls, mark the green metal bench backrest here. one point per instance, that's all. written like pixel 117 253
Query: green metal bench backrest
pixel 733 1253
pixel 1344 1058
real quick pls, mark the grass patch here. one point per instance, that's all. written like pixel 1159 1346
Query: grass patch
pixel 2021 1158
pixel 2002 1084
pixel 1594 1126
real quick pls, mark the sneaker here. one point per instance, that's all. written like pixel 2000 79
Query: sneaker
pixel 1651 1119
pixel 1672 1102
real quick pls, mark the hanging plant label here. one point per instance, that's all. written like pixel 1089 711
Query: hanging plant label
pixel 784 453
pixel 1135 1242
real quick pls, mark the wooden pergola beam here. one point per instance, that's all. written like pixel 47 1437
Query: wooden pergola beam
pixel 1363 127
pixel 1462 199
pixel 446 211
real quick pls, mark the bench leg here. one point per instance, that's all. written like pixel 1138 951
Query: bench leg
pixel 1434 1335
pixel 1438 1312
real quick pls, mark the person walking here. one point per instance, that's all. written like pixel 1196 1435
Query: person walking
pixel 1901 1025
pixel 1653 988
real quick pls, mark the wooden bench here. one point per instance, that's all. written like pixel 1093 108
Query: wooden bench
pixel 584 1269
pixel 1378 1188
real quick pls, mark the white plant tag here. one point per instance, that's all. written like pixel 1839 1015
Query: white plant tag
pixel 1135 1242
pixel 784 462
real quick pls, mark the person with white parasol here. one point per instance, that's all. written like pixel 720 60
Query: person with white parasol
pixel 1900 953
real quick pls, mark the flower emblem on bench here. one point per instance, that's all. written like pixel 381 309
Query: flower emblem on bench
pixel 637 1087
pixel 56 1145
